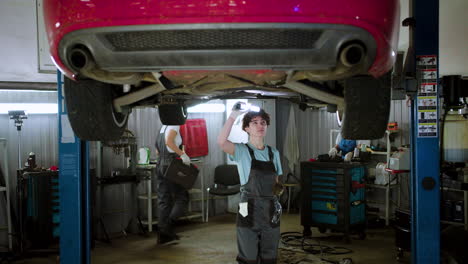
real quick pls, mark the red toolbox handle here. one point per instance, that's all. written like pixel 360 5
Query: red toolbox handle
pixel 358 185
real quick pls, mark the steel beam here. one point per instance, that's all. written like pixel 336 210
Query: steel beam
pixel 28 86
pixel 316 93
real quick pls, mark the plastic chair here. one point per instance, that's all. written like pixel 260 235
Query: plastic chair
pixel 226 182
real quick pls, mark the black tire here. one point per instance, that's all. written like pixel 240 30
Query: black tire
pixel 91 112
pixel 331 108
pixel 172 114
pixel 367 107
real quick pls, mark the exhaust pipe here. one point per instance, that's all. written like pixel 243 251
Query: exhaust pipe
pixel 352 54
pixel 352 59
pixel 80 59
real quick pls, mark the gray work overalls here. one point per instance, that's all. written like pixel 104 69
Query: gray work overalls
pixel 258 233
pixel 172 198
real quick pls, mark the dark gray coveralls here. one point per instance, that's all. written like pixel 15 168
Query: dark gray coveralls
pixel 258 233
pixel 172 198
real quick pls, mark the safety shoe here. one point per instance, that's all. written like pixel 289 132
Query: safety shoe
pixel 164 238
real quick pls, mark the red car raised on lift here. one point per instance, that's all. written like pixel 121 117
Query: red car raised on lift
pixel 175 53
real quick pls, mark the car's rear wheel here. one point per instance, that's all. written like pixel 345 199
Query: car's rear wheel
pixel 172 114
pixel 91 112
pixel 367 107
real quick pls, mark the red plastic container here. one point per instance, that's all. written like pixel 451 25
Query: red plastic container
pixel 194 137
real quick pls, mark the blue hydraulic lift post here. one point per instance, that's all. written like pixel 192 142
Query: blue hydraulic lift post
pixel 74 189
pixel 425 135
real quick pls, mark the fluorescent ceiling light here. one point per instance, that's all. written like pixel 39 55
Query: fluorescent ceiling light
pixel 207 108
pixel 26 91
pixel 29 108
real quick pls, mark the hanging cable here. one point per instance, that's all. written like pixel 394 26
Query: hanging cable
pixel 296 239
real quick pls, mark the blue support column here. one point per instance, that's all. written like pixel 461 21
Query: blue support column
pixel 425 136
pixel 74 189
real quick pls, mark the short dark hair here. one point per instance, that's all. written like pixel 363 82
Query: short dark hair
pixel 252 114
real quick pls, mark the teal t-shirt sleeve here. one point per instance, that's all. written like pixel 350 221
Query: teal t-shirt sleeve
pixel 277 162
pixel 237 152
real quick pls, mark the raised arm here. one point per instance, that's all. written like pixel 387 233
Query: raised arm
pixel 223 142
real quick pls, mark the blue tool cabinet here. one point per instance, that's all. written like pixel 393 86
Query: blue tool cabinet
pixel 333 197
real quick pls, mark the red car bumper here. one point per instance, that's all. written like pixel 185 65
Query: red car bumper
pixel 379 18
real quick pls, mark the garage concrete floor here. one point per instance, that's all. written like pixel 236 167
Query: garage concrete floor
pixel 215 243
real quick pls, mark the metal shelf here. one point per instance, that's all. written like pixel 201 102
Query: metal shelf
pixel 191 191
pixel 452 223
pixel 145 196
pixel 146 166
pixel 389 187
pixel 145 222
pixel 465 199
pixel 374 202
pixel 378 186
pixel 150 171
pixel 451 189
pixel 381 202
pixel 201 199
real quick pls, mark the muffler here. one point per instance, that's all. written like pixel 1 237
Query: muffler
pixel 79 58
pixel 352 54
pixel 352 60
pixel 82 62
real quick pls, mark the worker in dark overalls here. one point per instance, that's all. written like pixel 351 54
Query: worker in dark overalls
pixel 258 219
pixel 172 198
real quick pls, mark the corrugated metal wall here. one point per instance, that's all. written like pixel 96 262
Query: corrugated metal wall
pixel 25 96
pixel 118 202
pixel 400 112
pixel 313 130
pixel 39 135
pixel 313 127
pixel 455 138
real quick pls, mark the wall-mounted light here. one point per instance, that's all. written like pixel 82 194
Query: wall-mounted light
pixel 29 108
pixel 207 108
